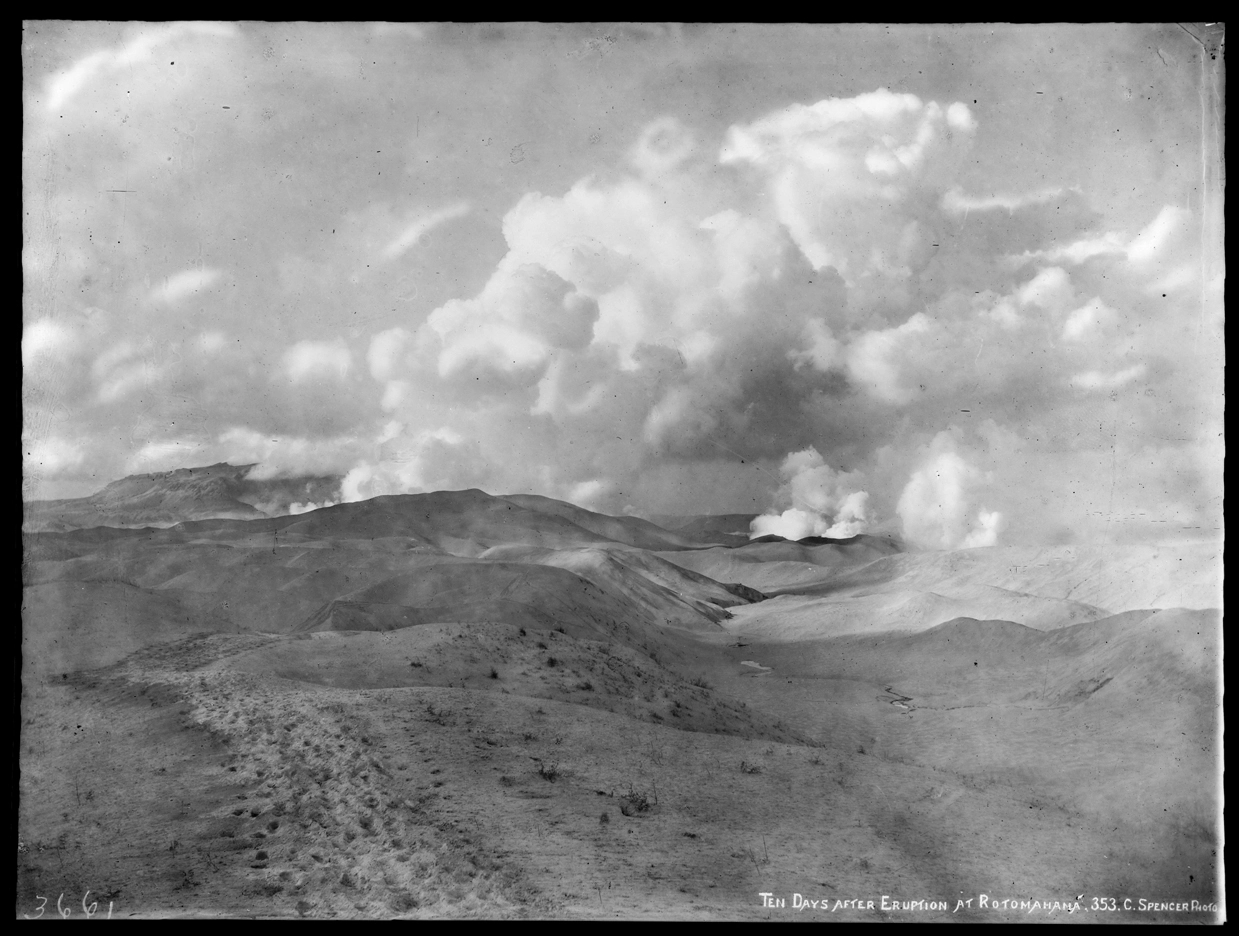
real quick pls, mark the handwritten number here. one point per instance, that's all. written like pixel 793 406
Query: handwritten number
pixel 65 912
pixel 40 908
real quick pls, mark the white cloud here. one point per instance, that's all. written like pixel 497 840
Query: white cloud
pixel 386 349
pixel 185 283
pixel 211 342
pixel 1088 320
pixel 823 501
pixel 955 202
pixel 842 172
pixel 46 336
pixel 64 86
pixel 936 504
pixel 51 456
pixel 875 359
pixel 421 225
pixel 1151 243
pixel 1097 380
pixel 317 359
pixel 163 456
pixel 1050 288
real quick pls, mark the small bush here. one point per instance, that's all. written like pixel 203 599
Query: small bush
pixel 700 683
pixel 548 772
pixel 551 661
pixel 604 818
pixel 634 802
pixel 541 645
pixel 585 686
pixel 746 767
pixel 494 673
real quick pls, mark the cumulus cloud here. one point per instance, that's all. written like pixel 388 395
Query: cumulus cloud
pixel 874 359
pixel 842 172
pixel 819 501
pixel 659 335
pixel 937 504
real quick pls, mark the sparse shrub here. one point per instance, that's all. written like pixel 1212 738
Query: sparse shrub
pixel 604 818
pixel 494 673
pixel 541 645
pixel 634 802
pixel 816 760
pixel 700 683
pixel 551 661
pixel 746 767
pixel 560 630
pixel 548 773
pixel 522 632
pixel 585 686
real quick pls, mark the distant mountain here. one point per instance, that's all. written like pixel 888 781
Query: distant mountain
pixel 165 498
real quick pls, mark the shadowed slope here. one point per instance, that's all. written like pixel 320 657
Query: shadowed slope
pixel 632 531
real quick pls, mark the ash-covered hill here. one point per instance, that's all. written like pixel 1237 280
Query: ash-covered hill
pixel 378 565
pixel 170 497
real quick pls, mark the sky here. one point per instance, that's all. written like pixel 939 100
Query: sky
pixel 959 283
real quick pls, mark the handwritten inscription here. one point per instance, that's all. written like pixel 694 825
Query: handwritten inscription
pixel 66 911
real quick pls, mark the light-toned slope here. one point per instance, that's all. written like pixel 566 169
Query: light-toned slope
pixel 1118 578
pixel 792 617
pixel 1116 717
